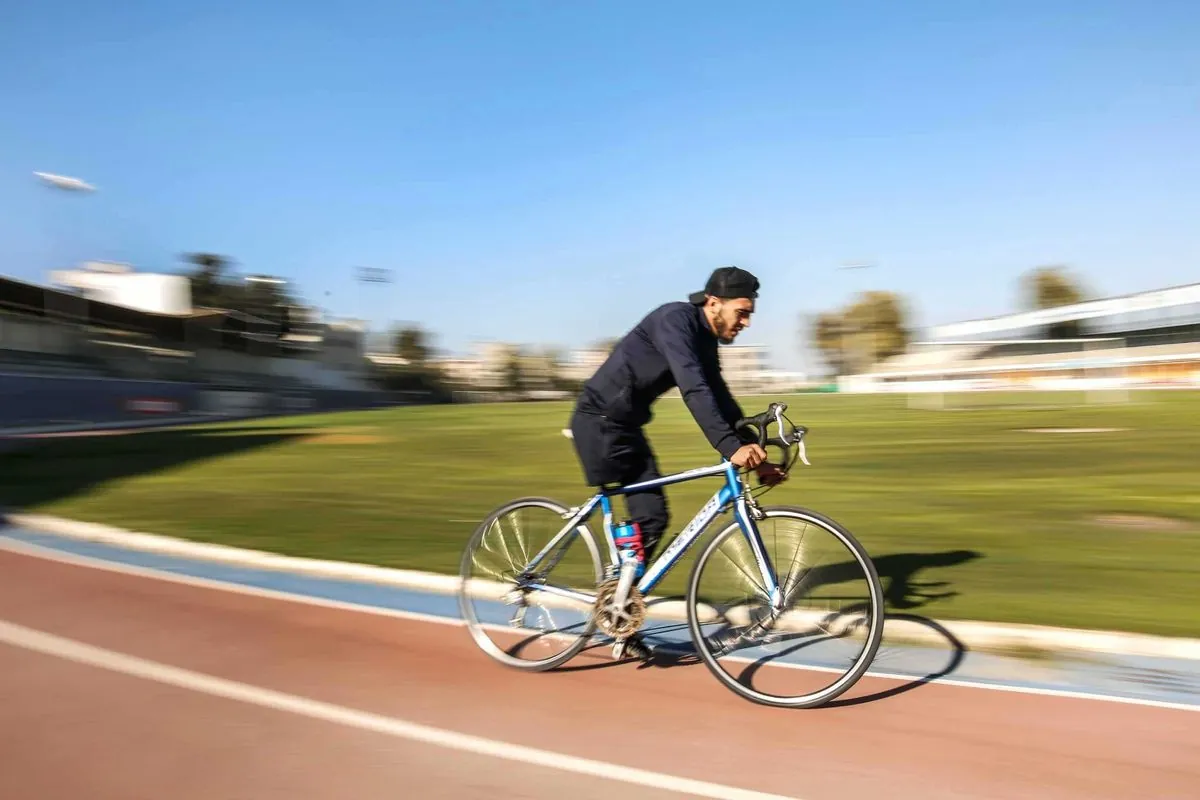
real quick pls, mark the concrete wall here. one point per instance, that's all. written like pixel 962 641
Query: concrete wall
pixel 33 400
pixel 44 400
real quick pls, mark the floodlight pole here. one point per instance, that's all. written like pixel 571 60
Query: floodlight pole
pixel 364 276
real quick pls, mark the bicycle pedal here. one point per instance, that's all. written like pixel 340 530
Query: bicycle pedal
pixel 633 648
pixel 618 651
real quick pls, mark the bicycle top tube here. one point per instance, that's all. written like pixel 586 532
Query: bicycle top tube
pixel 757 425
pixel 665 480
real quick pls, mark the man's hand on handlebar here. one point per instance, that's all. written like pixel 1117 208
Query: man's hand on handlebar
pixel 748 456
pixel 770 474
pixel 751 456
pixel 754 455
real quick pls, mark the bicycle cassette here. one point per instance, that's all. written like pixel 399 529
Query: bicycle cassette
pixel 619 623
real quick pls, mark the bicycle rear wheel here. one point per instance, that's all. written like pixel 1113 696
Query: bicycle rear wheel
pixel 832 620
pixel 520 625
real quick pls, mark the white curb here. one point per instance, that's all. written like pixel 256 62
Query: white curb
pixel 973 634
pixel 236 556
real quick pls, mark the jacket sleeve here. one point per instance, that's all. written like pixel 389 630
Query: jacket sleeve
pixel 676 339
pixel 730 409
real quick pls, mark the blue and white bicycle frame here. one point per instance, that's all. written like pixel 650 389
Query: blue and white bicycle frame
pixel 730 492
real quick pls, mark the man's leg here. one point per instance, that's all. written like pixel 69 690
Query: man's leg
pixel 590 438
pixel 611 454
pixel 648 507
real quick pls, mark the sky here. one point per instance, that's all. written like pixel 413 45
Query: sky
pixel 548 172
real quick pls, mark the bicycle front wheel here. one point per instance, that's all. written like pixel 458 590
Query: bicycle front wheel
pixel 529 621
pixel 831 623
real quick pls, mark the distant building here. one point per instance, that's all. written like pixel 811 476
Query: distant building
pixel 459 371
pixel 485 367
pixel 744 366
pixel 583 363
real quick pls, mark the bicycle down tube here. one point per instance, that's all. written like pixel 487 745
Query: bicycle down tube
pixel 730 491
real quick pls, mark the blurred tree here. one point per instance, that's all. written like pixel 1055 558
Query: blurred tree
pixel 425 379
pixel 270 301
pixel 872 328
pixel 421 374
pixel 208 279
pixel 1050 287
pixel 514 379
pixel 411 343
pixel 878 321
pixel 829 333
pixel 543 367
pixel 215 286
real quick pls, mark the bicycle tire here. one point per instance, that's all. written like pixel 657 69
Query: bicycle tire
pixel 475 626
pixel 875 636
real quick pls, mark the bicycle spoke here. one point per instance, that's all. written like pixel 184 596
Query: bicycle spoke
pixel 790 656
pixel 518 623
pixel 762 591
pixel 788 585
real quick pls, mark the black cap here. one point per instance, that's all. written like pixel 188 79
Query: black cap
pixel 727 283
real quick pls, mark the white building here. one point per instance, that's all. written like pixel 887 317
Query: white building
pixel 119 285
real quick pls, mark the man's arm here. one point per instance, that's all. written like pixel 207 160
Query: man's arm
pixel 730 409
pixel 676 339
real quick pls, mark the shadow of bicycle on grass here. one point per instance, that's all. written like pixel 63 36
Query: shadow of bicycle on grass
pixel 898 574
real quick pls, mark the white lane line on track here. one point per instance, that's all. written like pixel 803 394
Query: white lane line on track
pixel 50 554
pixel 71 650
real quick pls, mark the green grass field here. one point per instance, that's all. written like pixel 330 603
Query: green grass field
pixel 967 516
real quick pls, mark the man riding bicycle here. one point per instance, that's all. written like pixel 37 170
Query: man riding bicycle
pixel 675 345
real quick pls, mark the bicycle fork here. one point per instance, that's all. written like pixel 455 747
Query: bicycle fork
pixel 747 511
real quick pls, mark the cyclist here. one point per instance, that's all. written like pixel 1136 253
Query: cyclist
pixel 675 345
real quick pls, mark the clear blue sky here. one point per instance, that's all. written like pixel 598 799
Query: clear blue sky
pixel 511 160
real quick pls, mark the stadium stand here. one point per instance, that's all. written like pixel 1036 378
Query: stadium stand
pixel 66 358
pixel 1149 339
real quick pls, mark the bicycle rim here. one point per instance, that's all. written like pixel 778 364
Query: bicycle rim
pixel 806 656
pixel 531 630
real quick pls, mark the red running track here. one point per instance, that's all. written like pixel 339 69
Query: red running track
pixel 74 730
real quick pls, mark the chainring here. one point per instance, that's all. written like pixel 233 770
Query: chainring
pixel 619 623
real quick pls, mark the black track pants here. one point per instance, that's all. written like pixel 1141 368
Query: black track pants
pixel 613 454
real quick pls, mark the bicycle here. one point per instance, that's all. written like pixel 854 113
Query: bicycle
pixel 615 603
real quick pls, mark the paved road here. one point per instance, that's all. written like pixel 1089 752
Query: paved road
pixel 126 686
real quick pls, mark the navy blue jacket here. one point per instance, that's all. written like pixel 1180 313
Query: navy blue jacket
pixel 671 347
